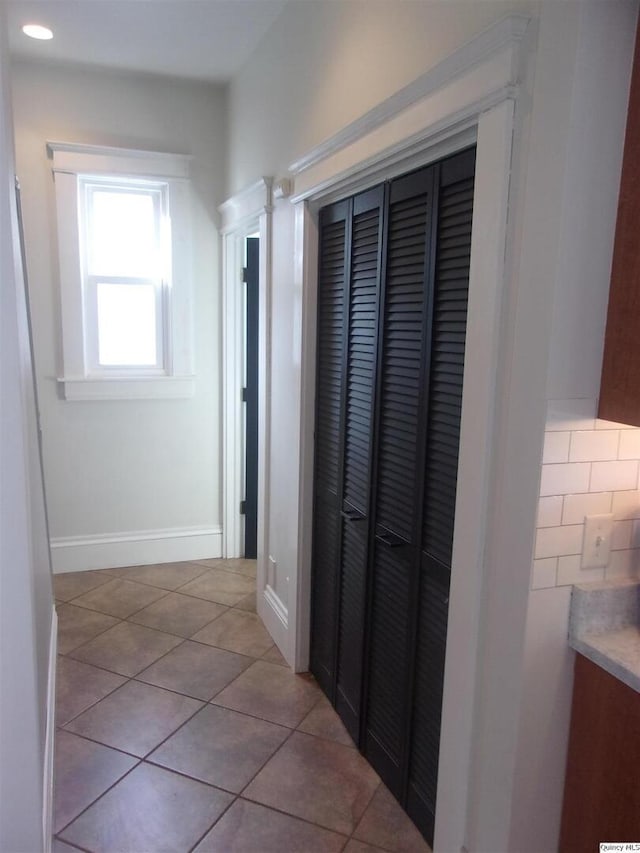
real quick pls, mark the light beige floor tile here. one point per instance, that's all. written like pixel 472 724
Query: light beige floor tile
pixel 151 810
pixel 359 847
pixel 164 575
pixel 218 585
pixel 221 747
pixel 76 626
pixel 135 718
pixel 274 655
pixel 239 566
pixel 271 692
pixel 126 649
pixel 70 585
pixel 179 614
pixel 250 828
pixel 317 780
pixel 247 603
pixel 237 631
pixel 119 598
pixel 83 771
pixel 196 670
pixel 79 686
pixel 323 721
pixel 385 823
pixel 61 847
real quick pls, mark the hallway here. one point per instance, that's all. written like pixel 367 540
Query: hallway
pixel 181 728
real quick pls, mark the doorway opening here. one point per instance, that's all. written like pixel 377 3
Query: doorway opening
pixel 251 278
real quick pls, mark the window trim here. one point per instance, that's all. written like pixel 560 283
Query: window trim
pixel 79 381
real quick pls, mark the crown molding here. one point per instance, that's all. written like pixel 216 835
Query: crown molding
pixel 502 40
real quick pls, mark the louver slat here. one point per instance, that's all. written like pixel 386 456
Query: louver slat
pixel 360 377
pixel 328 442
pixel 441 469
pixel 449 330
pixel 402 369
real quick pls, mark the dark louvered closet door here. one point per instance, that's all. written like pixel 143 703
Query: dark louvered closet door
pixel 362 329
pixel 398 478
pixel 333 253
pixel 444 405
pixel 392 311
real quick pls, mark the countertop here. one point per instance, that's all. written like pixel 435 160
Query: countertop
pixel 604 626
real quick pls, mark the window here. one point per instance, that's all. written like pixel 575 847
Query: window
pixel 123 238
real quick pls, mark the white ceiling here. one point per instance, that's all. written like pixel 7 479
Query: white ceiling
pixel 198 39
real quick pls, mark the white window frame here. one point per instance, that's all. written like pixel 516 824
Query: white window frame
pixel 75 165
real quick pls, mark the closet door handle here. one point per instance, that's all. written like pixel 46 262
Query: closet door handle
pixel 391 539
pixel 352 515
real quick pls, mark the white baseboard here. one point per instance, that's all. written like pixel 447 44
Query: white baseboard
pixel 135 548
pixel 47 781
pixel 273 613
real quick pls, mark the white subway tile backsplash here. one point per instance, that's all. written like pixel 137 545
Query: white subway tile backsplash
pixel 570 414
pixel 544 573
pixel 550 511
pixel 622 534
pixel 593 445
pixel 626 504
pixel 556 447
pixel 613 476
pixel 624 564
pixel 570 478
pixel 576 507
pixel 629 444
pixel 558 541
pixel 570 572
pixel 590 467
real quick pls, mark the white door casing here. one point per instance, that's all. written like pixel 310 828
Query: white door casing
pixel 469 98
pixel 246 213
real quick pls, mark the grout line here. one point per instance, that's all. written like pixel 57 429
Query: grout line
pixel 264 764
pixel 122 674
pixel 184 775
pixel 216 821
pixel 147 758
pixel 93 704
pixel 174 633
pixel 69 844
pixel 113 615
pixel 347 838
pixel 86 591
pixel 101 743
pixel 93 802
pixel 95 636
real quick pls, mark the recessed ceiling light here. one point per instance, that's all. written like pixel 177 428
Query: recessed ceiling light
pixel 37 31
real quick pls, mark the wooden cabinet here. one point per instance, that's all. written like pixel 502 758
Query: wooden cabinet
pixel 620 384
pixel 602 786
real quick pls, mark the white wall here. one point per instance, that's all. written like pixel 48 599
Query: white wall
pixel 588 465
pixel 323 64
pixel 26 604
pixel 121 467
pixel 320 67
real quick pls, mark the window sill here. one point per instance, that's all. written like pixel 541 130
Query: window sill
pixel 122 388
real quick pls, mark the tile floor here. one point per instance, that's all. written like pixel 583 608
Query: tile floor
pixel 180 727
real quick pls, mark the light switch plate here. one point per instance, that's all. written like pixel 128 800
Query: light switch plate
pixel 596 545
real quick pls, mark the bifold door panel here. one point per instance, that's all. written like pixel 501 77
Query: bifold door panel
pixel 393 284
